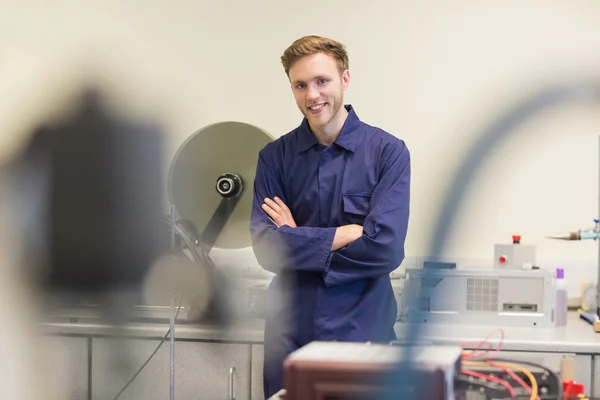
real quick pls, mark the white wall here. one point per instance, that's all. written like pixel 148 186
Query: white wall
pixel 432 73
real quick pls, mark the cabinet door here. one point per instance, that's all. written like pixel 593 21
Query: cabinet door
pixel 595 388
pixel 203 370
pixel 69 358
pixel 257 372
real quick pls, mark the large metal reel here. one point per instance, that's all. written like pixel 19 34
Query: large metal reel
pixel 208 154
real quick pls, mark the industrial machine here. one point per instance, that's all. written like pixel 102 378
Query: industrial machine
pixel 514 255
pixel 89 195
pixel 480 297
pixel 365 371
pixel 209 188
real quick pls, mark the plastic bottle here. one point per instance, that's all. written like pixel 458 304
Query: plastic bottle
pixel 561 297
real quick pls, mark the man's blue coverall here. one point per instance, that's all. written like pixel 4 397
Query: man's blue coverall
pixel 345 295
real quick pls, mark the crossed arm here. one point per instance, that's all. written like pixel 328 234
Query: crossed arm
pixel 281 215
pixel 342 254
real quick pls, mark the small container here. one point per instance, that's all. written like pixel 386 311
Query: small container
pixel 561 298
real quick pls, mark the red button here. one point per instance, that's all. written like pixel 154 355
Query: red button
pixel 571 388
pixel 502 259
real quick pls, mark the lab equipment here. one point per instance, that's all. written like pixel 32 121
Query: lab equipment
pixel 95 188
pixel 588 295
pixel 210 182
pixel 586 89
pixel 411 369
pixel 209 191
pixel 371 371
pixel 480 297
pixel 580 234
pixel 209 186
pixel 210 208
pixel 587 234
pixel 514 255
pixel 561 298
pixel 483 386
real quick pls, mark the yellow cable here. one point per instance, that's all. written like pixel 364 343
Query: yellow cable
pixel 528 374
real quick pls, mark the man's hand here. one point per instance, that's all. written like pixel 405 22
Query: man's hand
pixel 279 213
pixel 344 235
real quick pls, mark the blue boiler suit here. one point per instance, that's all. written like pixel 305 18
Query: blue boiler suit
pixel 316 294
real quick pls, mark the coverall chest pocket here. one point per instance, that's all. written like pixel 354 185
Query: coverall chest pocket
pixel 356 208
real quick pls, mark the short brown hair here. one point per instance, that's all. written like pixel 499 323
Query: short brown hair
pixel 308 45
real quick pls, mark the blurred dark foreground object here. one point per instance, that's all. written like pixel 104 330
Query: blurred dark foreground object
pixel 89 199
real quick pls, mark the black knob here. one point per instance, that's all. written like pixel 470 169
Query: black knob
pixel 229 185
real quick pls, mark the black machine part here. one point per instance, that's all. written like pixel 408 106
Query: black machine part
pixel 88 195
pixel 210 182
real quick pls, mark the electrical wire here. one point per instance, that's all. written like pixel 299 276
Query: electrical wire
pixel 539 366
pixel 511 390
pixel 473 353
pixel 151 356
pixel 504 364
pixel 201 257
pixel 532 364
pixel 487 385
pixel 515 377
pixel 527 373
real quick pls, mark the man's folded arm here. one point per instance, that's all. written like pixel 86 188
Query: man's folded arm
pixel 381 248
pixel 280 248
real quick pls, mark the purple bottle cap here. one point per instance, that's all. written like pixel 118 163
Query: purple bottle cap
pixel 560 273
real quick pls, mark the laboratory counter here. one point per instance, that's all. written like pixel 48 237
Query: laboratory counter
pixel 227 363
pixel 576 337
pixel 249 331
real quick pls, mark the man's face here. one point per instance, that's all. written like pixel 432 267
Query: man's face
pixel 318 87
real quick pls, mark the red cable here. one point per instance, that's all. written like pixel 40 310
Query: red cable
pixel 474 353
pixel 514 376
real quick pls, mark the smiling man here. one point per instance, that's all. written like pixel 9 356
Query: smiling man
pixel 330 215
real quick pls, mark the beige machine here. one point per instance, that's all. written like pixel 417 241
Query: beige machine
pixel 524 298
pixel 210 189
pixel 215 164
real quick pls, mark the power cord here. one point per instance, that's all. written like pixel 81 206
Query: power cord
pixel 149 358
pixel 201 257
pixel 488 357
pixel 540 366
